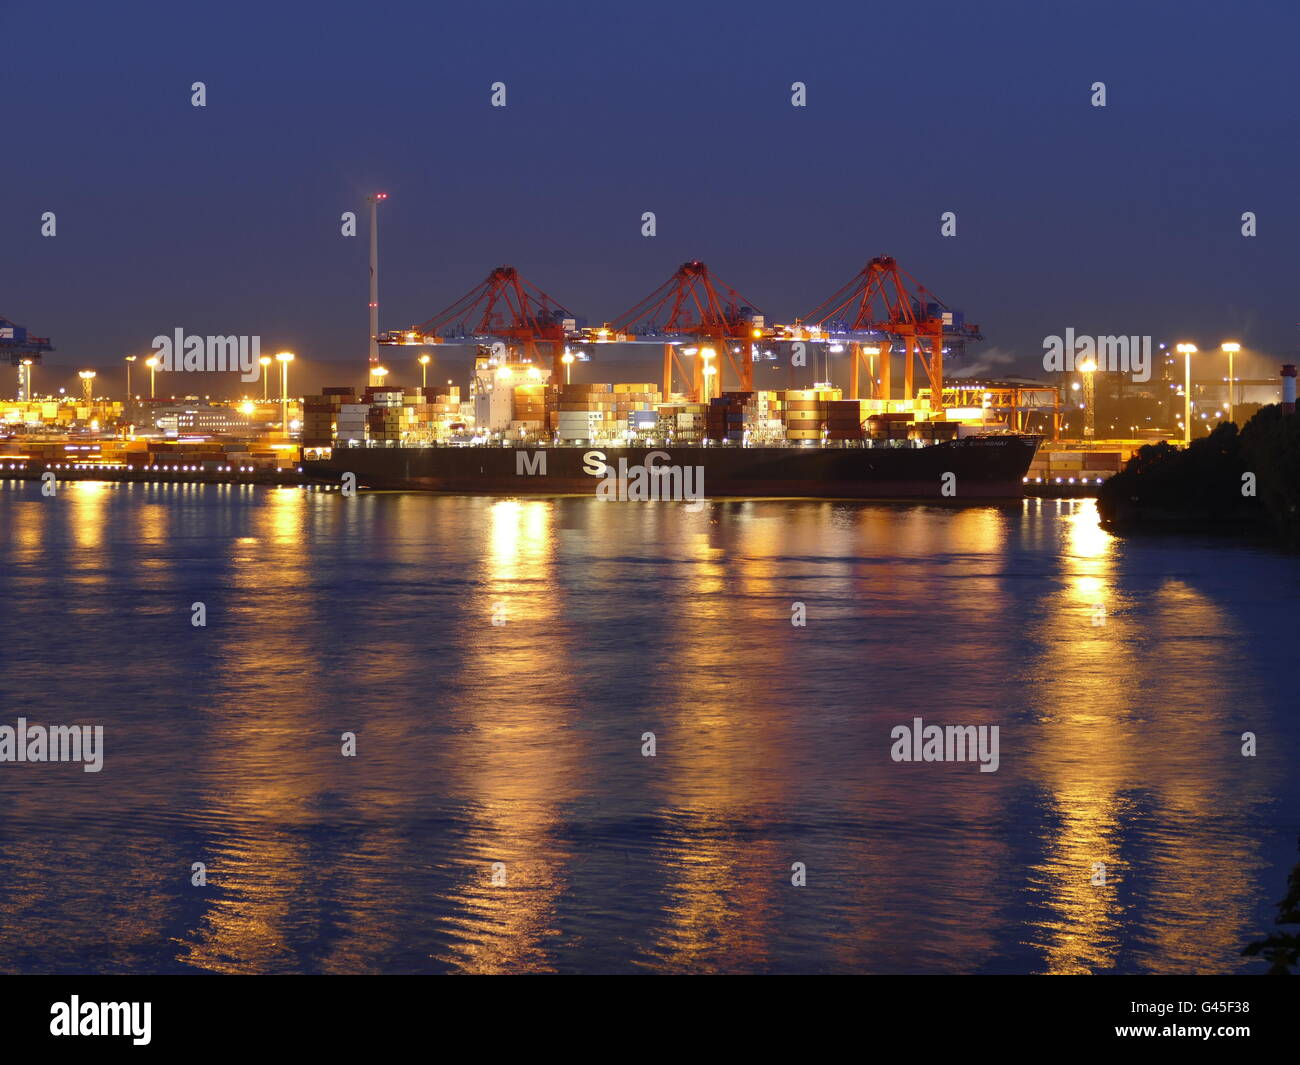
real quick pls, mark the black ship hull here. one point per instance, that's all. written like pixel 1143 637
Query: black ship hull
pixel 967 470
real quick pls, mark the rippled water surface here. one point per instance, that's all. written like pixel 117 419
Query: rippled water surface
pixel 521 743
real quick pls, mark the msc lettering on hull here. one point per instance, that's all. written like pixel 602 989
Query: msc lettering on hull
pixel 651 481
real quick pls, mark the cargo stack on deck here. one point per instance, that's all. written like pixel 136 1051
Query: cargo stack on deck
pixel 725 419
pixel 320 415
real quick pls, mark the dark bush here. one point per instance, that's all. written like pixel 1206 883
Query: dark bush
pixel 1207 483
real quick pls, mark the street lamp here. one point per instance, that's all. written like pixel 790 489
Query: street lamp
pixel 284 358
pixel 25 380
pixel 1187 350
pixel 1231 348
pixel 374 200
pixel 707 355
pixel 709 371
pixel 831 349
pixel 152 363
pixel 567 359
pixel 424 370
pixel 264 361
pixel 128 359
pixel 87 376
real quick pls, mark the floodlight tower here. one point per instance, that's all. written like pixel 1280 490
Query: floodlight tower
pixel 374 200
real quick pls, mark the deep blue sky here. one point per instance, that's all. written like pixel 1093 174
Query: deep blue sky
pixel 226 219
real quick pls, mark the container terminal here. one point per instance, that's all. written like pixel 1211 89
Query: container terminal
pixel 880 434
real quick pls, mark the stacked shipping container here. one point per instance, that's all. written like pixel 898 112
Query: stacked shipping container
pixel 1087 465
pixel 320 415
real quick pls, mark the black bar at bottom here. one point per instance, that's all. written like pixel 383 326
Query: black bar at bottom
pixel 341 1014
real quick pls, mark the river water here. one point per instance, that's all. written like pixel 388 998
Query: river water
pixel 499 813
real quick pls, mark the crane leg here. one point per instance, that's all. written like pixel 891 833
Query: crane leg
pixel 936 374
pixel 886 368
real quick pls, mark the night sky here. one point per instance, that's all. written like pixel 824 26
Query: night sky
pixel 225 219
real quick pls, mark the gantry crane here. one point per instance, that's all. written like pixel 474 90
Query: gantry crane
pixel 876 308
pixel 19 348
pixel 502 307
pixel 694 305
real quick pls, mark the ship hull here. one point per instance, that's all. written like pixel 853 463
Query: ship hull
pixel 981 468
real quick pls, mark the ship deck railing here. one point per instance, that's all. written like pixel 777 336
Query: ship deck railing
pixel 792 445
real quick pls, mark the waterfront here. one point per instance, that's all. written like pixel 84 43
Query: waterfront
pixel 521 743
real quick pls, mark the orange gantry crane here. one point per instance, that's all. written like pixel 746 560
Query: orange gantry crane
pixel 875 310
pixel 501 307
pixel 692 304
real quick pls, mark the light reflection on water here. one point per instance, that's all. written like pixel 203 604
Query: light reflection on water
pixel 520 743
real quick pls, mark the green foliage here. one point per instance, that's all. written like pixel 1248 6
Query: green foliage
pixel 1282 949
pixel 1203 483
pixel 1270 448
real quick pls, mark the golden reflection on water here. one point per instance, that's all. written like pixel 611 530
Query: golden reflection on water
pixel 254 726
pixel 149 514
pixel 749 729
pixel 1100 764
pixel 25 538
pixel 718 754
pixel 924 899
pixel 1085 731
pixel 517 760
pixel 89 500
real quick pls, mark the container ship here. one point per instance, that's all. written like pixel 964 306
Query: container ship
pixel 514 434
pixel 975 468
